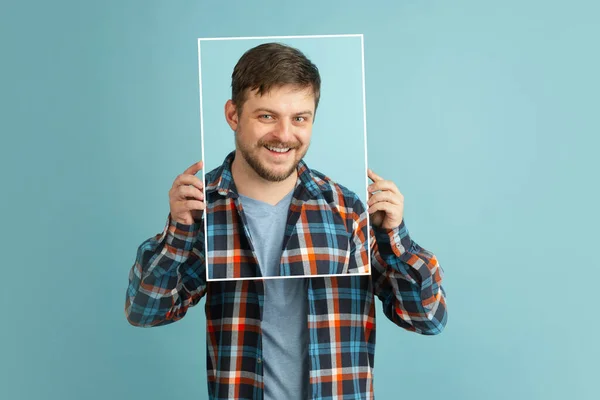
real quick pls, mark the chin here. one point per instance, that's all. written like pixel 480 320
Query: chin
pixel 278 174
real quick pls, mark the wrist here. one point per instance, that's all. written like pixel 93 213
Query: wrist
pixel 397 239
pixel 179 231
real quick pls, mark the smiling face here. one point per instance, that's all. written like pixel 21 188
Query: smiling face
pixel 273 131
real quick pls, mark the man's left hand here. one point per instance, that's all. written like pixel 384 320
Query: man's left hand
pixel 386 207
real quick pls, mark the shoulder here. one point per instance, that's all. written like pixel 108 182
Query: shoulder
pixel 212 175
pixel 335 192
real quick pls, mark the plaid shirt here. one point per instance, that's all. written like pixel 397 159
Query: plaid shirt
pixel 169 276
pixel 326 231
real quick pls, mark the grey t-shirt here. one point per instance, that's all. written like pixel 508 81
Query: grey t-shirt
pixel 284 323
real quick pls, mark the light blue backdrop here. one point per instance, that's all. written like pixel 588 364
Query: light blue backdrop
pixel 485 115
pixel 337 146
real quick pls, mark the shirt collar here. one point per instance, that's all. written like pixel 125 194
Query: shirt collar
pixel 223 183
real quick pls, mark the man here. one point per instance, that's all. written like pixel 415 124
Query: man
pixel 283 338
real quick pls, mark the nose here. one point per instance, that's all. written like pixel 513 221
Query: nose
pixel 284 131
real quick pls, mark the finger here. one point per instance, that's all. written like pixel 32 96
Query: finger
pixel 381 206
pixel 189 192
pixel 373 176
pixel 194 168
pixel 188 180
pixel 385 196
pixel 193 205
pixel 383 185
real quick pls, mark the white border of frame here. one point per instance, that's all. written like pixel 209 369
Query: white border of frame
pixel 362 50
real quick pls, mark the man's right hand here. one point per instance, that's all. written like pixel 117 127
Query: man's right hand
pixel 186 196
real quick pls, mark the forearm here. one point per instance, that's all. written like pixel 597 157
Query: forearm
pixel 408 280
pixel 168 276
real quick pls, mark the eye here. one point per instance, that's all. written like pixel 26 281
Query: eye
pixel 265 116
pixel 300 119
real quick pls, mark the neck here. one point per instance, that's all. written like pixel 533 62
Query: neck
pixel 250 184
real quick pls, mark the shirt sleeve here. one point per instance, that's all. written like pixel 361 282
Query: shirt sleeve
pixel 408 280
pixel 168 276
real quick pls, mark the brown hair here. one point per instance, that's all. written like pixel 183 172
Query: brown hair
pixel 271 65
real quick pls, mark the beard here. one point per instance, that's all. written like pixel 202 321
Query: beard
pixel 252 157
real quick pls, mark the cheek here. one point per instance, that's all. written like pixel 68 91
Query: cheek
pixel 248 132
pixel 256 130
pixel 305 136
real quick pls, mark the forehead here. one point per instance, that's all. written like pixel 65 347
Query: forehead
pixel 286 98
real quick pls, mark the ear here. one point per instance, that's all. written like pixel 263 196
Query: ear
pixel 231 115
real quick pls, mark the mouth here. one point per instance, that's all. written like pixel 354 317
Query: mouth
pixel 278 151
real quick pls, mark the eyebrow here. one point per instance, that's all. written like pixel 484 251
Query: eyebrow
pixel 307 112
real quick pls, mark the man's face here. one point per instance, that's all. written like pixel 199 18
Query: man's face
pixel 273 131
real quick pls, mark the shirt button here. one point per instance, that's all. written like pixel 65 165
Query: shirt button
pixel 259 360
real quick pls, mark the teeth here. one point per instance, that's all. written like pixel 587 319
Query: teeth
pixel 278 149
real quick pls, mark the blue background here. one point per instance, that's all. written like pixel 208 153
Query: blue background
pixel 485 115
